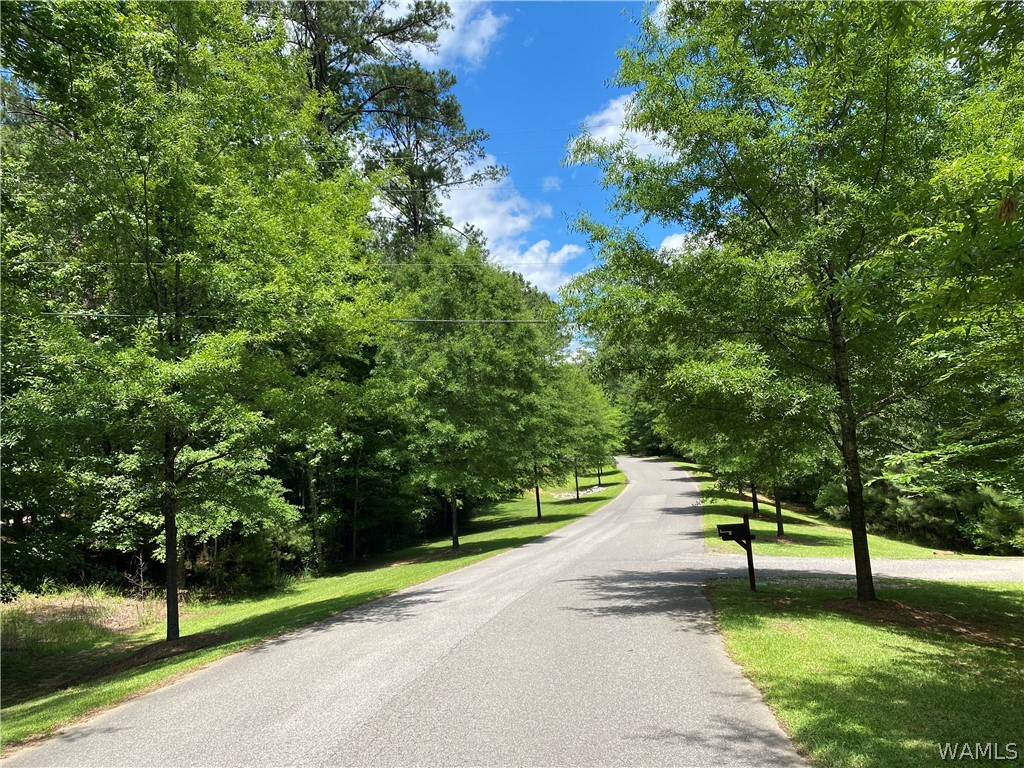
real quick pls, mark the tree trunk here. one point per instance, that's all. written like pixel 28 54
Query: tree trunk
pixel 536 490
pixel 355 529
pixel 355 509
pixel 576 477
pixel 314 514
pixel 599 468
pixel 850 453
pixel 169 502
pixel 753 500
pixel 779 532
pixel 455 520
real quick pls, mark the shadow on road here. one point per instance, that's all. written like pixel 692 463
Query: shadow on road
pixel 642 593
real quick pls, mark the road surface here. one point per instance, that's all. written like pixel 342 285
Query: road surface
pixel 592 646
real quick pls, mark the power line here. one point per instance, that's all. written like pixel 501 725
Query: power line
pixel 567 128
pixel 386 265
pixel 120 314
pixel 503 153
pixel 468 322
pixel 473 187
pixel 95 315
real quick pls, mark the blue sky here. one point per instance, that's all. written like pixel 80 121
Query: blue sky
pixel 531 74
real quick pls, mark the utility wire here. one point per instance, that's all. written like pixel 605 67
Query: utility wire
pixel 503 153
pixel 390 319
pixel 468 322
pixel 567 128
pixel 386 265
pixel 118 314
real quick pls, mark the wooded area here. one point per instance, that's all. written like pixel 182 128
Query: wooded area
pixel 217 219
pixel 241 336
pixel 845 322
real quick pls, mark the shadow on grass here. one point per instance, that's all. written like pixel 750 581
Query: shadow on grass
pixel 764 516
pixel 927 687
pixel 124 657
pixel 24 679
pixel 570 502
pixel 25 676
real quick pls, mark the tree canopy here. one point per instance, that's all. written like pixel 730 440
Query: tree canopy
pixel 201 361
pixel 803 147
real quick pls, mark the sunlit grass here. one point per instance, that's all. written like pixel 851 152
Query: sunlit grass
pixel 865 692
pixel 244 622
pixel 805 534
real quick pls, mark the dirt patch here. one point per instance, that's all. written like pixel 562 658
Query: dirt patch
pixel 114 614
pixel 895 612
pixel 442 555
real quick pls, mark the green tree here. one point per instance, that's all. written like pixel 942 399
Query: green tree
pixel 419 134
pixel 592 434
pixel 171 238
pixel 406 120
pixel 467 377
pixel 966 259
pixel 793 132
pixel 355 51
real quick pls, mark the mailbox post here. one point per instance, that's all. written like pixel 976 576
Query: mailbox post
pixel 740 533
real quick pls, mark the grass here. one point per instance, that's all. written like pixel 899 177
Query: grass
pixel 806 535
pixel 56 650
pixel 882 686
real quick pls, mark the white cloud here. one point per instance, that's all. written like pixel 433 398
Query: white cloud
pixel 676 242
pixel 539 264
pixel 680 244
pixel 606 125
pixel 660 12
pixel 506 218
pixel 551 183
pixel 475 28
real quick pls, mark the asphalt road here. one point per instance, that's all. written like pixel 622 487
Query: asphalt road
pixel 592 646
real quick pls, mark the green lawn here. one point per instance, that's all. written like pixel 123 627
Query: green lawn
pixel 805 534
pixel 39 673
pixel 883 689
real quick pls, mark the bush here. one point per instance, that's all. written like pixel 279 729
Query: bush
pixel 9 591
pixel 42 557
pixel 994 522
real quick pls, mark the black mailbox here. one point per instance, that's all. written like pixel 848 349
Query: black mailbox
pixel 740 533
pixel 733 532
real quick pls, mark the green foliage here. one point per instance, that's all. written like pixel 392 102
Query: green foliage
pixel 137 205
pixel 199 269
pixel 849 291
pixel 467 388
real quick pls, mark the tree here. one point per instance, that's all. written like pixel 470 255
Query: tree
pixel 736 414
pixel 404 117
pixel 467 377
pixel 793 133
pixel 593 433
pixel 171 237
pixel 965 257
pixel 419 133
pixel 352 49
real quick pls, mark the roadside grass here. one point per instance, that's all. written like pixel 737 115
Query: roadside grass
pixel 883 685
pixel 806 535
pixel 65 656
